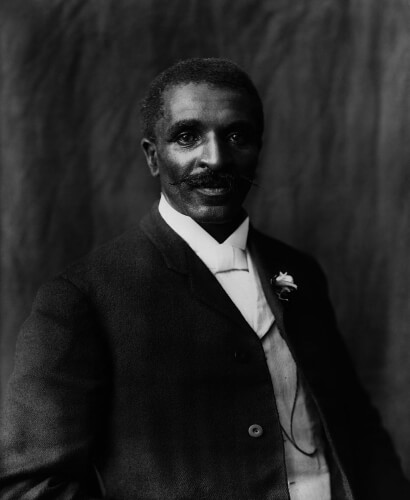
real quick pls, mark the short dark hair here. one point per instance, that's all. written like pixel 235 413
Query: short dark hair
pixel 214 71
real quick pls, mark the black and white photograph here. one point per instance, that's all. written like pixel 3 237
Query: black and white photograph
pixel 204 250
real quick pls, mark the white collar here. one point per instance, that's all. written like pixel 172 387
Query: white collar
pixel 201 242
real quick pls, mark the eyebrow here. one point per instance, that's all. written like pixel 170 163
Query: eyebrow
pixel 183 124
pixel 196 124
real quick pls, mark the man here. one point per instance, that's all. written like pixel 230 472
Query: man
pixel 193 357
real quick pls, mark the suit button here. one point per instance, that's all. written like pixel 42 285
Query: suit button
pixel 255 431
pixel 241 356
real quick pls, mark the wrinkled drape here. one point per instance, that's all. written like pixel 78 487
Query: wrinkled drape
pixel 334 175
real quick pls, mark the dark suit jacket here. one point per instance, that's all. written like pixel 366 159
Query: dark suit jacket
pixel 136 364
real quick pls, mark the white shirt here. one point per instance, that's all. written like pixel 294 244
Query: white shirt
pixel 308 477
pixel 243 287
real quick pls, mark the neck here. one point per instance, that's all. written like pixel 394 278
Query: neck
pixel 220 232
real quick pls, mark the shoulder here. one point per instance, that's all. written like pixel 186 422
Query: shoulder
pixel 129 253
pixel 275 257
pixel 285 256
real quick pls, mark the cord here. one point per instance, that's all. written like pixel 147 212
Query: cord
pixel 291 438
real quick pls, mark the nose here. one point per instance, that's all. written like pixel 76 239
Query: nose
pixel 214 153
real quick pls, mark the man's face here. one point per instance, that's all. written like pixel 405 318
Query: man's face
pixel 206 150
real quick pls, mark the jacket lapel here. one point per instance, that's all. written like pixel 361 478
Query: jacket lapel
pixel 179 257
pixel 268 267
pixel 207 289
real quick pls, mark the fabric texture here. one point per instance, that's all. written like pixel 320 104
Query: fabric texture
pixel 151 399
pixel 236 276
pixel 308 477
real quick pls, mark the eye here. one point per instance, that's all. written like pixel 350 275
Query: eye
pixel 187 138
pixel 238 138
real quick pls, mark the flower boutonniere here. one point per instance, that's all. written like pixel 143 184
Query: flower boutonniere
pixel 284 285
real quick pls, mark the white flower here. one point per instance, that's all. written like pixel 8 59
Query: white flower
pixel 285 279
pixel 284 285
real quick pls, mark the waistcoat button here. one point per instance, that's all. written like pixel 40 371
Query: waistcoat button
pixel 255 431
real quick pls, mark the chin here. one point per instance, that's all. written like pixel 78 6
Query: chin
pixel 214 214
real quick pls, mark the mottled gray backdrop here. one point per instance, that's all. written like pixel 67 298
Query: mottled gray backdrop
pixel 334 177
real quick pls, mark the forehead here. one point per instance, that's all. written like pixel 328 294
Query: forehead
pixel 207 103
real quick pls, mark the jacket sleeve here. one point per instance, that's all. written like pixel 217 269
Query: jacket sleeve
pixel 373 463
pixel 49 426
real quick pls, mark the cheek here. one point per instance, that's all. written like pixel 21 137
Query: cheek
pixel 247 161
pixel 173 164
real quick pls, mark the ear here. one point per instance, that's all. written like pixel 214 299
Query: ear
pixel 150 151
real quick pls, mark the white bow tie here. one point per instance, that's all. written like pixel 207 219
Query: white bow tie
pixel 229 258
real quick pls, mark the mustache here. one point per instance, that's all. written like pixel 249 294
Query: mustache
pixel 211 179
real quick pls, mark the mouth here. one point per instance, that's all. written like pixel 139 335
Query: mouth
pixel 214 191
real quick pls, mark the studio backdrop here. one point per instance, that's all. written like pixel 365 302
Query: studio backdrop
pixel 334 177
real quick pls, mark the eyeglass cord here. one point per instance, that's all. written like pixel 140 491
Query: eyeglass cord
pixel 291 438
